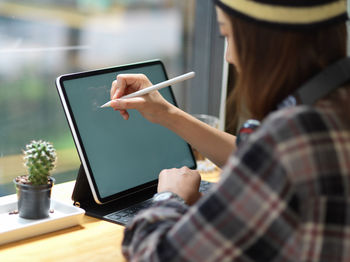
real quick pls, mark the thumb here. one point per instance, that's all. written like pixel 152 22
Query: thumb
pixel 128 103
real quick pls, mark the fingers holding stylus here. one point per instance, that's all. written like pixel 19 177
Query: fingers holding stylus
pixel 123 85
pixel 117 90
pixel 135 91
pixel 124 104
pixel 128 83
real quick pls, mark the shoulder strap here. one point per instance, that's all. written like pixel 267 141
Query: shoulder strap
pixel 323 83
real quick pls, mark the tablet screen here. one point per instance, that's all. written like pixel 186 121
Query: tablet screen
pixel 120 155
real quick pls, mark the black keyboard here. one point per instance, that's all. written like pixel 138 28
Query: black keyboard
pixel 125 215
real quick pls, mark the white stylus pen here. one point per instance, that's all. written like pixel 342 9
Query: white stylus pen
pixel 147 90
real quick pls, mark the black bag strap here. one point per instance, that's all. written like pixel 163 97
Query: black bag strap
pixel 325 82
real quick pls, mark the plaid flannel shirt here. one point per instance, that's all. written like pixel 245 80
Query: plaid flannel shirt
pixel 283 196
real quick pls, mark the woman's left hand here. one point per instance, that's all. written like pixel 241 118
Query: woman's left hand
pixel 184 182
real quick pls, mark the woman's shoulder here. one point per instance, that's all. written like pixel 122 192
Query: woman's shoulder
pixel 295 135
pixel 296 127
pixel 300 121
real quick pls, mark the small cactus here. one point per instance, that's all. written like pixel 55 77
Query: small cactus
pixel 40 158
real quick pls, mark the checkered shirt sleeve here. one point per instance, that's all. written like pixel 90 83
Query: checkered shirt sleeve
pixel 283 196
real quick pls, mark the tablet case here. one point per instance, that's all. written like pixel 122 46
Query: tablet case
pixel 83 198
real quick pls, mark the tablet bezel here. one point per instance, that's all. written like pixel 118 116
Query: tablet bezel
pixel 77 138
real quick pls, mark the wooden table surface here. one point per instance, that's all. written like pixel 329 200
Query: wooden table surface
pixel 93 240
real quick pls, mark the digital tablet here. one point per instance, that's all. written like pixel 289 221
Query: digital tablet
pixel 120 157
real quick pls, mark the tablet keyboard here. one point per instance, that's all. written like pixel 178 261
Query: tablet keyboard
pixel 125 215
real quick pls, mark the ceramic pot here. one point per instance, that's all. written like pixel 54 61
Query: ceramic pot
pixel 34 200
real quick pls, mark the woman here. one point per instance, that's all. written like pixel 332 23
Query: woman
pixel 284 193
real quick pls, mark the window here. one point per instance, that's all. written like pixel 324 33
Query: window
pixel 42 39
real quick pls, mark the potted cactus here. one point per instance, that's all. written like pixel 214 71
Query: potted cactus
pixel 34 189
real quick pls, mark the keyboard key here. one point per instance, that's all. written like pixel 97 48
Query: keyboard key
pixel 124 219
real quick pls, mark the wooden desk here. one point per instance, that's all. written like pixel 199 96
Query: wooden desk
pixel 94 240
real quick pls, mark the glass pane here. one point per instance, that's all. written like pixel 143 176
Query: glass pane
pixel 42 39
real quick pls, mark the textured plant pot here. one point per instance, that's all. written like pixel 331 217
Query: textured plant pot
pixel 34 201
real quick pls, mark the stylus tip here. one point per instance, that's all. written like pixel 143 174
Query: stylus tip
pixel 106 104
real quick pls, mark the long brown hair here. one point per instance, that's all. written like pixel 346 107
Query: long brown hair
pixel 274 62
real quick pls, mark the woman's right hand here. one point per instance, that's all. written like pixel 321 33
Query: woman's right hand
pixel 211 142
pixel 152 105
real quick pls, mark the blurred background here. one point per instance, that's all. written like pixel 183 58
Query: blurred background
pixel 42 39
